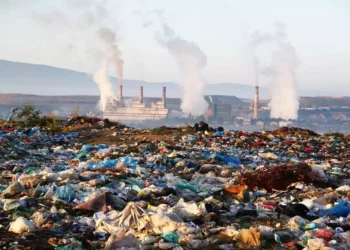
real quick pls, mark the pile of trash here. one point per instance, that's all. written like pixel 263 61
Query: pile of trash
pixel 202 189
pixel 93 121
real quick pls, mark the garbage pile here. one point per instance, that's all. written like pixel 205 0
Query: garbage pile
pixel 193 189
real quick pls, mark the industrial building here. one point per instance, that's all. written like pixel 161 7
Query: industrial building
pixel 137 110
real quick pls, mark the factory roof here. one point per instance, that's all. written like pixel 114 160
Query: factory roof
pixel 225 99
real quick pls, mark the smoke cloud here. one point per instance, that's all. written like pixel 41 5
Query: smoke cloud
pixel 92 21
pixel 284 101
pixel 190 60
pixel 109 37
pixel 106 89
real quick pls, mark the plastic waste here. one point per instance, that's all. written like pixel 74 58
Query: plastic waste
pixel 227 159
pixel 268 156
pixel 73 245
pixel 13 189
pixel 133 216
pixel 122 240
pixel 189 211
pixel 249 238
pixel 87 148
pixel 325 234
pixel 341 209
pixel 65 193
pixel 183 186
pixel 101 203
pixel 12 205
pixel 21 225
pixel 316 244
pixel 171 237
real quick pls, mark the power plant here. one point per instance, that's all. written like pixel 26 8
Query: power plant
pixel 137 111
pixel 131 109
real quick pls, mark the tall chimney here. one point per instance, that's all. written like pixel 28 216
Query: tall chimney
pixel 141 95
pixel 256 103
pixel 120 92
pixel 164 96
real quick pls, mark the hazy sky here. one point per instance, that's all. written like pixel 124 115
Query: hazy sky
pixel 54 32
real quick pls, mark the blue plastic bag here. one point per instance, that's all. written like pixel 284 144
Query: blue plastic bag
pixel 109 164
pixel 102 146
pixel 87 148
pixel 227 159
pixel 34 131
pixel 129 161
pixel 219 133
pixel 342 209
pixel 65 193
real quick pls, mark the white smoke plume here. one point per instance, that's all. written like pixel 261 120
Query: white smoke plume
pixel 92 21
pixel 284 101
pixel 109 37
pixel 106 89
pixel 190 60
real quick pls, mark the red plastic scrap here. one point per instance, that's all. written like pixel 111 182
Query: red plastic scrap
pixel 290 244
pixel 268 207
pixel 308 149
pixel 241 133
pixel 323 234
pixel 259 144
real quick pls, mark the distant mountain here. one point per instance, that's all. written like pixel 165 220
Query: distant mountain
pixel 28 78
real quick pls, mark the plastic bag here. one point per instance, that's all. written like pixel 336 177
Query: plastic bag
pixel 132 216
pixel 342 209
pixel 184 186
pixel 227 159
pixel 189 211
pixel 73 245
pixel 12 204
pixel 14 188
pixel 249 237
pixel 122 240
pixel 171 237
pixel 21 225
pixel 65 193
pixel 268 156
pixel 323 234
pixel 316 244
pixel 297 221
pixel 87 148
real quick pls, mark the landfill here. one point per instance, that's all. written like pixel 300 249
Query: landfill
pixel 97 184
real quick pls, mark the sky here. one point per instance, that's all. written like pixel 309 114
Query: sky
pixel 57 33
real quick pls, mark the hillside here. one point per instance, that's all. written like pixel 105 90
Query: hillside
pixel 27 78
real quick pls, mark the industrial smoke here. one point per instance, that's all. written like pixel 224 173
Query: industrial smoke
pixel 105 87
pixel 190 60
pixel 91 20
pixel 109 37
pixel 284 101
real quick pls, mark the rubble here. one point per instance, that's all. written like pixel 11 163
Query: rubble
pixel 97 184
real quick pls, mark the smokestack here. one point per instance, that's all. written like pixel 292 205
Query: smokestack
pixel 141 95
pixel 256 103
pixel 120 92
pixel 164 96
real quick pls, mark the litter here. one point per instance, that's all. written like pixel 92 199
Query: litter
pixel 97 184
pixel 21 225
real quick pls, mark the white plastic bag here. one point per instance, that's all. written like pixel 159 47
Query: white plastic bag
pixel 21 225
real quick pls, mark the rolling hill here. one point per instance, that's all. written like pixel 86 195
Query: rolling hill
pixel 25 78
